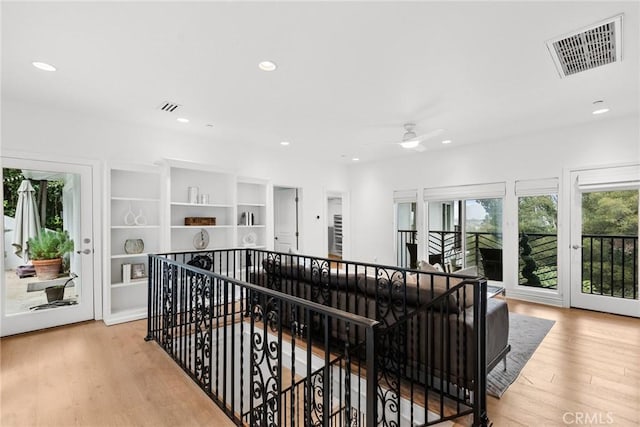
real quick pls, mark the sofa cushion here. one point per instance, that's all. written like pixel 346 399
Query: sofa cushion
pixel 294 267
pixel 421 288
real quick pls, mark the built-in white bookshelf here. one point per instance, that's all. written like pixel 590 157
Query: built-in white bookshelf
pixel 160 197
pixel 199 191
pixel 133 230
pixel 251 213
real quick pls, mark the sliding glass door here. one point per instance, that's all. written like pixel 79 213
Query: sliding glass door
pixel 406 235
pixel 465 233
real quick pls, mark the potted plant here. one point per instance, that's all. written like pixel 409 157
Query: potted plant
pixel 47 250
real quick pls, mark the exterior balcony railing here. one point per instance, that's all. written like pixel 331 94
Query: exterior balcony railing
pixel 610 265
pixel 407 248
pixel 609 262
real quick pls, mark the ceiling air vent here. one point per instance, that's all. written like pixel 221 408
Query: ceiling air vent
pixel 168 106
pixel 587 48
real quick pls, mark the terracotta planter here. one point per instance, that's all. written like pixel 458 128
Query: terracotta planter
pixel 47 269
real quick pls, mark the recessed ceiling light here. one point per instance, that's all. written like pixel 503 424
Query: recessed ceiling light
pixel 182 120
pixel 600 107
pixel 446 141
pixel 355 159
pixel 43 66
pixel 267 66
pixel 285 143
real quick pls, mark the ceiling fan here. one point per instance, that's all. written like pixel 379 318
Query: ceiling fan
pixel 412 141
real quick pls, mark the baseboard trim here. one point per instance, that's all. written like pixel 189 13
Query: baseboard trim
pixel 537 297
pixel 125 316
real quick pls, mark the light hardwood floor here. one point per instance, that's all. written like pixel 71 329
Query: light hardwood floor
pixel 587 368
pixel 91 375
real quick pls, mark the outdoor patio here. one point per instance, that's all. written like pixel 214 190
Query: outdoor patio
pixel 22 294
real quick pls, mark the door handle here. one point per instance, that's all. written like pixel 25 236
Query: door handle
pixel 275 238
pixel 85 251
pixel 576 247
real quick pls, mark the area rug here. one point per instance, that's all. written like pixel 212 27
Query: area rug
pixel 525 335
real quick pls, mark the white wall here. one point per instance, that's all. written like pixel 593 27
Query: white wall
pixel 34 129
pixel 542 155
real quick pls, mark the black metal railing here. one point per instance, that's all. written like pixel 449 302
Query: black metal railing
pixel 482 249
pixel 445 248
pixel 239 345
pixel 610 265
pixel 279 339
pixel 407 249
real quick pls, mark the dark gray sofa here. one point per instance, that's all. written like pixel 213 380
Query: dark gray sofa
pixel 434 341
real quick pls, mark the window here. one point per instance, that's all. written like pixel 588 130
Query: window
pixel 538 233
pixel 466 230
pixel 483 236
pixel 407 235
pixel 445 238
pixel 405 228
pixel 538 241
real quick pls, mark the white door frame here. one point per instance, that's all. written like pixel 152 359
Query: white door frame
pixel 625 177
pixel 96 201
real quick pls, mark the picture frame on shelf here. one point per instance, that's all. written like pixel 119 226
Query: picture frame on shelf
pixel 138 271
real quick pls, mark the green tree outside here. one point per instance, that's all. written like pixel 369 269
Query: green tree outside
pixel 538 219
pixel 610 213
pixel 612 217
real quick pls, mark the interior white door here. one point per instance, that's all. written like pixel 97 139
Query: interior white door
pixel 285 219
pixel 25 306
pixel 604 241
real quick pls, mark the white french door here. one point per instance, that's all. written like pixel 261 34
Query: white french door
pixel 24 303
pixel 604 240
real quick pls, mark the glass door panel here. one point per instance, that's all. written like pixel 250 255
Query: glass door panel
pixel 483 236
pixel 406 235
pixel 445 238
pixel 610 244
pixel 40 199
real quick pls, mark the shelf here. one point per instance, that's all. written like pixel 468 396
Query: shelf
pixel 133 227
pixel 201 205
pixel 257 205
pixel 133 191
pixel 208 248
pixel 132 283
pixel 121 256
pixel 251 226
pixel 197 227
pixel 135 199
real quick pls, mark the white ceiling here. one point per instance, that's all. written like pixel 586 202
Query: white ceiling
pixel 350 73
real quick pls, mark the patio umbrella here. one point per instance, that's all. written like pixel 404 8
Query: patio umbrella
pixel 27 220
